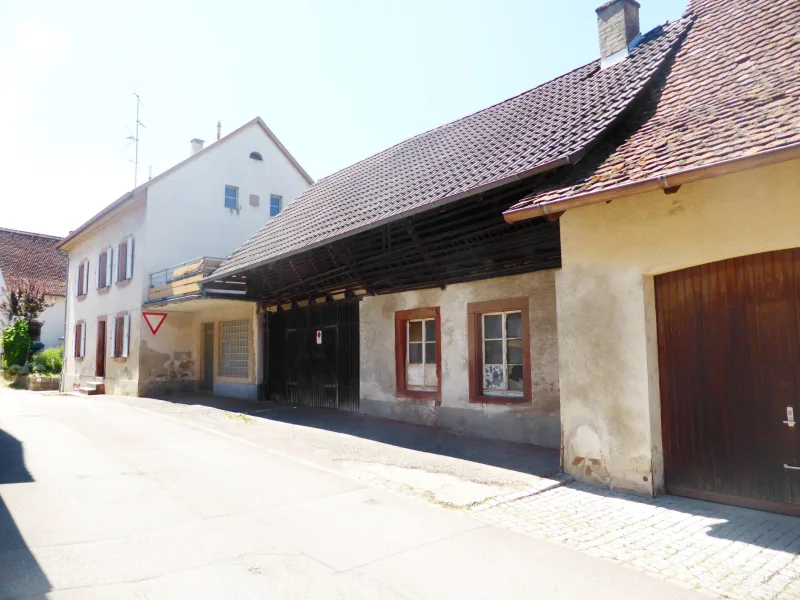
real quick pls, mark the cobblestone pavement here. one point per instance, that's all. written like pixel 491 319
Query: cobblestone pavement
pixel 726 551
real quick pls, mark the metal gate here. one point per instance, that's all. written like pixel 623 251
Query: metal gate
pixel 313 356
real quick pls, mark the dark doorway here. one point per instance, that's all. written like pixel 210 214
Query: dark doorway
pixel 314 356
pixel 208 356
pixel 729 360
pixel 100 362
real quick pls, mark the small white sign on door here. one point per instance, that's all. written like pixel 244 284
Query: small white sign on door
pixel 319 336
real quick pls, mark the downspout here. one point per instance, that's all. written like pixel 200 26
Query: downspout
pixel 669 183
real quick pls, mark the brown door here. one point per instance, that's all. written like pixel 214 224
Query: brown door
pixel 100 363
pixel 729 354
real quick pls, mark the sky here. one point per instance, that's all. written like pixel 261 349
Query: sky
pixel 335 80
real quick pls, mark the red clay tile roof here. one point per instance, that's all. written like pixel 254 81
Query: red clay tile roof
pixel 732 91
pixel 25 255
pixel 561 118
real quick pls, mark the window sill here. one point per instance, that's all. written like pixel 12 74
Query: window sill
pixel 499 400
pixel 418 395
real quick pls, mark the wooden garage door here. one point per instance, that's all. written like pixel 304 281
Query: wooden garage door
pixel 729 355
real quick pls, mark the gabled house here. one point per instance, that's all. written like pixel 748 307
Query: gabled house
pixel 679 291
pixel 137 320
pixel 26 256
pixel 395 287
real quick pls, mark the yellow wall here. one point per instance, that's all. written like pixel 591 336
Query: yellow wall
pixel 610 407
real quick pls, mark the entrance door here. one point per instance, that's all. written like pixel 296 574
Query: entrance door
pixel 100 362
pixel 729 356
pixel 208 356
pixel 314 356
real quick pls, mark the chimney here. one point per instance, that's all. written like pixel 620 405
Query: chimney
pixel 618 24
pixel 197 145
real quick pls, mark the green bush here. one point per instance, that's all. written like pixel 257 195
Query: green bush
pixel 16 344
pixel 48 361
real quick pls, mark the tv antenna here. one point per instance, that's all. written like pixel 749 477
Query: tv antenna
pixel 134 138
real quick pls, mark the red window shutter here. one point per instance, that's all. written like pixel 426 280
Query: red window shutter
pixel 78 339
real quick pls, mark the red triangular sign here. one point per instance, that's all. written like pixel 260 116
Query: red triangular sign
pixel 154 320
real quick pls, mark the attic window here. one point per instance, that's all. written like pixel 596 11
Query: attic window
pixel 256 156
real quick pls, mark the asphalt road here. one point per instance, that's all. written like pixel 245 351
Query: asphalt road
pixel 103 499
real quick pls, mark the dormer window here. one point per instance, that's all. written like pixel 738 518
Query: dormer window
pixel 256 156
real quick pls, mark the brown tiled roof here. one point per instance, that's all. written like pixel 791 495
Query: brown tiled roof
pixel 557 120
pixel 732 91
pixel 33 256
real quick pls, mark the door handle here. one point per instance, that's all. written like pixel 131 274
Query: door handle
pixel 789 423
pixel 791 468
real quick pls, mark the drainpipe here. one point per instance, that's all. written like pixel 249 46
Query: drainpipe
pixel 669 183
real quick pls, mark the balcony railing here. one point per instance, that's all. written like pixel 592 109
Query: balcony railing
pixel 181 280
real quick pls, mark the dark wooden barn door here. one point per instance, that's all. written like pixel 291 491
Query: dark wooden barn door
pixel 314 356
pixel 729 356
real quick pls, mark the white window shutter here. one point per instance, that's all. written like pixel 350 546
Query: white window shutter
pixel 109 261
pixel 129 264
pixel 83 340
pixel 114 267
pixel 126 330
pixel 113 352
pixel 85 276
pixel 97 275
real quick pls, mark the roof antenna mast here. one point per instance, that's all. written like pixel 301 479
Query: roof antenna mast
pixel 135 139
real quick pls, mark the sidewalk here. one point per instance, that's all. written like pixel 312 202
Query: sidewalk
pixel 728 551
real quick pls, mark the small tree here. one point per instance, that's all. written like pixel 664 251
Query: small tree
pixel 16 344
pixel 25 299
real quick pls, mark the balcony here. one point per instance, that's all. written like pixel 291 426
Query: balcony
pixel 181 280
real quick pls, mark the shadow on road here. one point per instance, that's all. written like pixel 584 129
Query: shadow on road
pixel 523 458
pixel 20 574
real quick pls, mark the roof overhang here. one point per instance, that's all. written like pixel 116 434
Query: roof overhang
pixel 538 170
pixel 666 181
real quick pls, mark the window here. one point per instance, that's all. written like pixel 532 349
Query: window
pixel 120 335
pixel 256 156
pixel 124 258
pixel 104 269
pixel 275 205
pixel 231 197
pixel 82 278
pixel 502 353
pixel 80 339
pixel 418 353
pixel 234 356
pixel 499 351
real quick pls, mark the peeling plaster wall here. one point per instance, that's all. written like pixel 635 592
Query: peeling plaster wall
pixel 537 423
pixel 168 361
pixel 608 346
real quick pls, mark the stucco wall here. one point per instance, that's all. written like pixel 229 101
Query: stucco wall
pixel 537 423
pixel 610 406
pixel 53 322
pixel 122 374
pixel 172 360
pixel 186 216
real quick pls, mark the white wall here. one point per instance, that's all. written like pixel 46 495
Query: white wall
pixel 186 216
pixel 122 374
pixel 53 322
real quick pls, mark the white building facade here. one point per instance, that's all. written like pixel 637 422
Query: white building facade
pixel 146 253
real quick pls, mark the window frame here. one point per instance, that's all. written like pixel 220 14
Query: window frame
pixel 82 279
pixel 122 271
pixel 475 313
pixel 280 204
pixel 401 320
pixel 225 197
pixel 105 278
pixel 79 343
